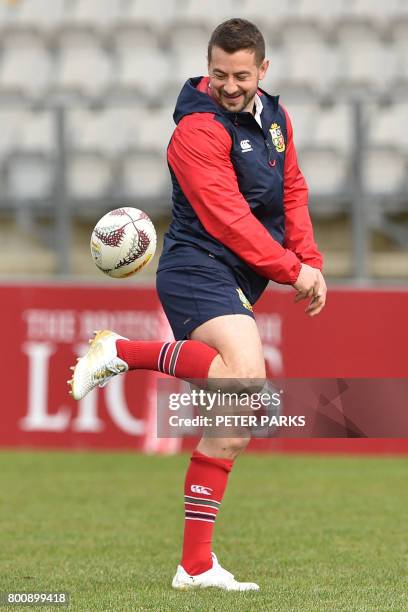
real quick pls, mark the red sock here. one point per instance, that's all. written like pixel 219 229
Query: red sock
pixel 204 488
pixel 184 359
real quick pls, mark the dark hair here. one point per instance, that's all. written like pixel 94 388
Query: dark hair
pixel 236 34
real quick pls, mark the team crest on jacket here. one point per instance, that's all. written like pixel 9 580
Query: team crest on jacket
pixel 277 137
pixel 245 302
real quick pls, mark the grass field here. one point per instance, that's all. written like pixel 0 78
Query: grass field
pixel 317 533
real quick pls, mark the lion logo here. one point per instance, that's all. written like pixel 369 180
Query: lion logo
pixel 277 137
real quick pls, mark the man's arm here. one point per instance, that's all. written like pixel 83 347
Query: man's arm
pixel 298 226
pixel 199 155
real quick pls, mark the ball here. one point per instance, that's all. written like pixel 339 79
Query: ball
pixel 123 242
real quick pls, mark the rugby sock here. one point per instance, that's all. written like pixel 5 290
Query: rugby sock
pixel 187 359
pixel 206 480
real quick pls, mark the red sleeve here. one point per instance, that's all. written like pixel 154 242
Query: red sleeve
pixel 199 155
pixel 298 226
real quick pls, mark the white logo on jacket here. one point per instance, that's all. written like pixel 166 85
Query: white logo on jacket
pixel 245 146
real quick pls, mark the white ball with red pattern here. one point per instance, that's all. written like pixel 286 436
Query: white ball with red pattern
pixel 123 242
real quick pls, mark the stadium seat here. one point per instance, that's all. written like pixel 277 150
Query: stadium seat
pixel 145 176
pixel 135 36
pixel 303 118
pixel 4 14
pixel 320 12
pixel 325 170
pixel 155 129
pixel 210 13
pixel 41 15
pixel 89 175
pixel 276 74
pixel 29 177
pixel 96 14
pixel 365 61
pixel 387 126
pixel 12 122
pixel 142 68
pixel 376 12
pixel 384 171
pixel 189 52
pixel 186 66
pixel 84 67
pixel 26 65
pixel 109 130
pixel 154 14
pixel 401 10
pixel 334 128
pixel 314 68
pixel 267 15
pixel 38 133
pixel 400 58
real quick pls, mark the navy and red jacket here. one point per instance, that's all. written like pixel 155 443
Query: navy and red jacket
pixel 239 197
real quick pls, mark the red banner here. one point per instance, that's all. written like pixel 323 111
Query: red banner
pixel 361 334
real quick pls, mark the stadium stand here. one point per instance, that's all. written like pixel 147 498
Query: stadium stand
pixel 26 66
pixel 90 175
pixel 84 68
pixel 116 67
pixel 143 69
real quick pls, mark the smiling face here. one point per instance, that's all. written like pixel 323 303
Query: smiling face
pixel 234 78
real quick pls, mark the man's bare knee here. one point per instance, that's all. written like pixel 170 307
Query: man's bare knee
pixel 243 378
pixel 226 448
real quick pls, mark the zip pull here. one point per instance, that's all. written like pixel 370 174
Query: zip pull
pixel 271 162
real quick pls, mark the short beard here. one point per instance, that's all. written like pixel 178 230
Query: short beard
pixel 247 99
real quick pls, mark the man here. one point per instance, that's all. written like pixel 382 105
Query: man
pixel 240 219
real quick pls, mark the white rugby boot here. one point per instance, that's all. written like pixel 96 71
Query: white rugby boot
pixel 217 576
pixel 98 365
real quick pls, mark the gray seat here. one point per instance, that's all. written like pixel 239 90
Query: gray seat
pixel 38 133
pixel 29 177
pixel 303 118
pixel 400 57
pixel 320 12
pixel 89 175
pixel 275 78
pixel 268 15
pixel 110 131
pixel 208 14
pixel 188 45
pixel 84 67
pixel 365 61
pixel 155 129
pixel 325 171
pixel 12 123
pixel 155 14
pixel 384 172
pixel 40 14
pixel 376 12
pixel 314 68
pixel 387 126
pixel 145 176
pixel 26 65
pixel 334 128
pixel 138 54
pixel 99 15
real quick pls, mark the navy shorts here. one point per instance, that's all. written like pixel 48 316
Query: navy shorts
pixel 191 296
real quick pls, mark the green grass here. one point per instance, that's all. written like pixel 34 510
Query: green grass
pixel 317 533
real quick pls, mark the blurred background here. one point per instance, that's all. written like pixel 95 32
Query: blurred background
pixel 87 92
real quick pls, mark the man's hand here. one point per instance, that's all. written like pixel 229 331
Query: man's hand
pixel 310 283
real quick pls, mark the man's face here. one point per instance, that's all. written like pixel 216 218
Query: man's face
pixel 234 78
